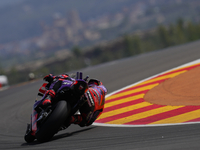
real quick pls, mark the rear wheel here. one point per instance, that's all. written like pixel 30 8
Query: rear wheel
pixel 50 127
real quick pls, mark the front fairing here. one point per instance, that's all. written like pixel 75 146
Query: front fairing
pixel 72 89
pixel 66 84
pixel 34 117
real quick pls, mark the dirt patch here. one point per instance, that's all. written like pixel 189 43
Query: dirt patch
pixel 183 89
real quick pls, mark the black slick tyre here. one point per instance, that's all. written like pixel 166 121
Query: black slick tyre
pixel 50 127
pixel 28 137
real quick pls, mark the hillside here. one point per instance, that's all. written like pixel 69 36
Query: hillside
pixel 127 46
pixel 32 30
pixel 23 19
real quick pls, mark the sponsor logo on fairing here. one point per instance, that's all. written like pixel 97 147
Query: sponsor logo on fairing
pixel 90 98
pixel 66 83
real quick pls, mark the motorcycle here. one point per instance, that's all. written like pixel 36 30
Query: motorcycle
pixel 46 122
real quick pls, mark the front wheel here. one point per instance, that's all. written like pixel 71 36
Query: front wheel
pixel 28 137
pixel 50 127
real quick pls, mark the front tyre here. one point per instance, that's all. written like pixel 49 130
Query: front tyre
pixel 50 127
pixel 28 137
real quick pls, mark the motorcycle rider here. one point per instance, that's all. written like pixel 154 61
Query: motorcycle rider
pixel 94 97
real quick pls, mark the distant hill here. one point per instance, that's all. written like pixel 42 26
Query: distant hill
pixel 22 19
pixel 38 29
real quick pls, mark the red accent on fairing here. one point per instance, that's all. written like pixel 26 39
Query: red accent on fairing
pixel 65 76
pixel 75 82
pixel 42 88
pixel 61 79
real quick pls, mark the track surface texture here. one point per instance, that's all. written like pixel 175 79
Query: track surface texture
pixel 16 104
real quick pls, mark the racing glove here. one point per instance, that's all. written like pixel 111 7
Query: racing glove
pixel 49 78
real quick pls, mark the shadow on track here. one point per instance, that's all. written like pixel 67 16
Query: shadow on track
pixel 60 136
pixel 70 134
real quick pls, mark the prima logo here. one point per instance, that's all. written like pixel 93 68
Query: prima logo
pixel 66 83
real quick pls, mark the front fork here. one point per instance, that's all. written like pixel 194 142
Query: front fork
pixel 34 116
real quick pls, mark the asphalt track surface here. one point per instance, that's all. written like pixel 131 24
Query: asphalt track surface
pixel 16 104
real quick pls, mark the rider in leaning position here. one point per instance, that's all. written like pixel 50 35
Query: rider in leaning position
pixel 94 99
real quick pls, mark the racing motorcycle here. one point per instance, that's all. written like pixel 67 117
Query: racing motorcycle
pixel 46 122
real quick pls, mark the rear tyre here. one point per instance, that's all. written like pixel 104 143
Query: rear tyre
pixel 47 130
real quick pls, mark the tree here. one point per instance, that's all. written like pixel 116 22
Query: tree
pixel 76 51
pixel 180 32
pixel 163 36
pixel 180 24
pixel 128 43
pixel 1 70
pixel 172 34
pixel 137 45
pixel 192 32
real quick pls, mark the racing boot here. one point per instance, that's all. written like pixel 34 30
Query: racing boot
pixel 76 119
pixel 47 100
